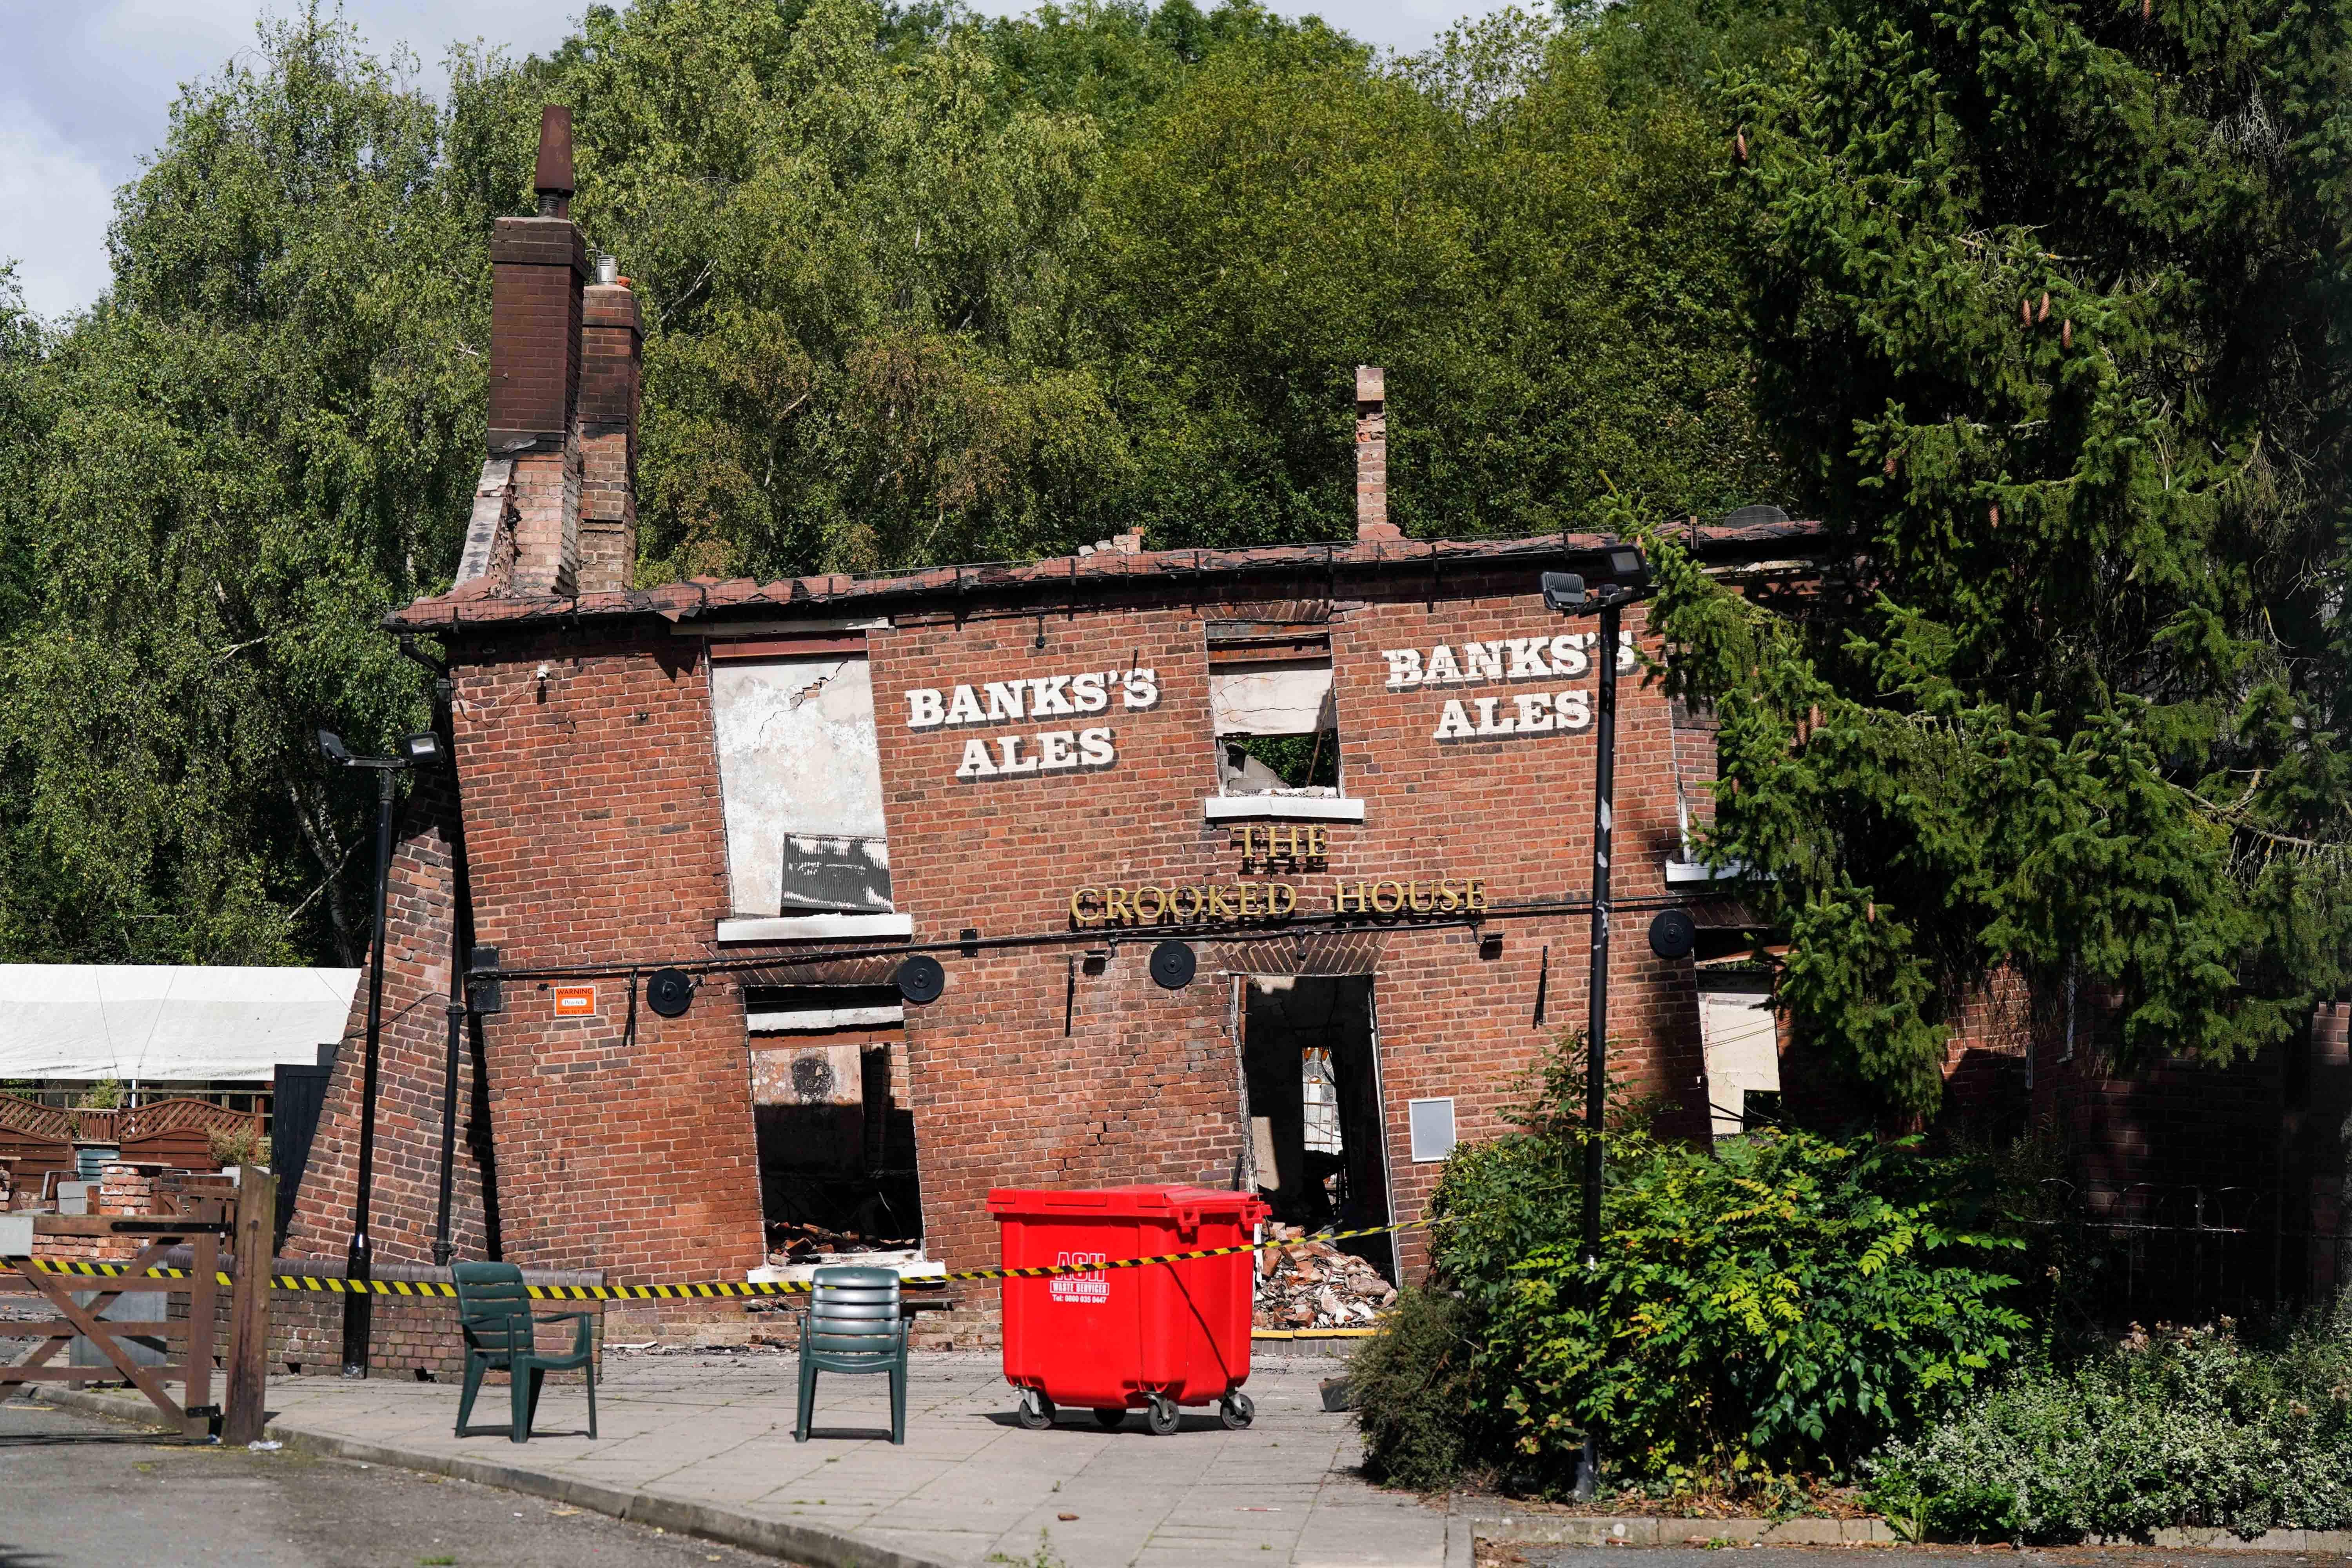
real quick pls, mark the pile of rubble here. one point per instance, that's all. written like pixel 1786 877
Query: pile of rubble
pixel 790 1242
pixel 1317 1286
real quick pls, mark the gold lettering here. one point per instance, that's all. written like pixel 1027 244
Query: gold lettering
pixel 1417 898
pixel 1281 899
pixel 1396 898
pixel 1177 911
pixel 1159 904
pixel 1218 908
pixel 1289 850
pixel 1248 901
pixel 1318 842
pixel 1449 895
pixel 1079 911
pixel 1475 899
pixel 1239 838
pixel 1115 905
pixel 1341 892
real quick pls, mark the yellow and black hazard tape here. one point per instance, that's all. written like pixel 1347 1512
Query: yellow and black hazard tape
pixel 701 1290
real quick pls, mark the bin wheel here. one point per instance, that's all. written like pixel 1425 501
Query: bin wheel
pixel 1111 1417
pixel 1035 1411
pixel 1162 1416
pixel 1237 1410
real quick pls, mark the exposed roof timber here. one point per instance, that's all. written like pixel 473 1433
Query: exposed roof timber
pixel 1048 584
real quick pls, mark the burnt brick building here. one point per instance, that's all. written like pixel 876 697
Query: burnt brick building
pixel 1354 778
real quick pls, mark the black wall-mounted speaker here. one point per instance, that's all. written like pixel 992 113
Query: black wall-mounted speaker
pixel 1172 964
pixel 922 979
pixel 1674 933
pixel 669 992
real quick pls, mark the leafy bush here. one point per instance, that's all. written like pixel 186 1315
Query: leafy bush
pixel 2184 1428
pixel 1411 1383
pixel 1777 1304
pixel 234 1146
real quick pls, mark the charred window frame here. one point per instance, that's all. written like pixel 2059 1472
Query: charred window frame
pixel 801 778
pixel 1273 710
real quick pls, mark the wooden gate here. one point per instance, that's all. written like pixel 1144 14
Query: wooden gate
pixel 193 1413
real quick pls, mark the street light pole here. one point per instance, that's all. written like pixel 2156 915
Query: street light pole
pixel 416 751
pixel 1627 572
pixel 1596 1027
pixel 359 1309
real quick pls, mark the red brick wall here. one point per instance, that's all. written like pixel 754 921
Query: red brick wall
pixel 593 824
pixel 412 1065
pixel 1145 1084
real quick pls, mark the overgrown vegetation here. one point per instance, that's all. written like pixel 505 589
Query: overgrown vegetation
pixel 1778 1306
pixel 2180 1427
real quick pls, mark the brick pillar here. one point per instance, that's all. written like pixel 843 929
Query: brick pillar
pixel 611 346
pixel 537 266
pixel 1372 456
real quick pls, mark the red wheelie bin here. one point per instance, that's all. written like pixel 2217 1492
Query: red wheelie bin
pixel 1153 1338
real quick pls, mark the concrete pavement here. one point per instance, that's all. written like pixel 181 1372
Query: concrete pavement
pixel 704 1442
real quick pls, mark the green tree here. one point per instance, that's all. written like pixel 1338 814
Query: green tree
pixel 256 445
pixel 2051 301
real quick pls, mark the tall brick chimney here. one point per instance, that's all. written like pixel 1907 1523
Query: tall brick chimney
pixel 611 349
pixel 537 266
pixel 1372 456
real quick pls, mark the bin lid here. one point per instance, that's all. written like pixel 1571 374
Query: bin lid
pixel 1005 1201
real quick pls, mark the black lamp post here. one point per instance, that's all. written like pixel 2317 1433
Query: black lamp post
pixel 1622 574
pixel 416 752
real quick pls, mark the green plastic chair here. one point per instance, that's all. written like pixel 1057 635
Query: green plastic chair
pixel 502 1335
pixel 854 1325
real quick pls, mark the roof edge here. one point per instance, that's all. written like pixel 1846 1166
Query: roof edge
pixel 469 608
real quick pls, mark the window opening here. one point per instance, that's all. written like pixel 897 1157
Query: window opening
pixel 1742 1041
pixel 1309 1068
pixel 800 773
pixel 1270 699
pixel 835 1135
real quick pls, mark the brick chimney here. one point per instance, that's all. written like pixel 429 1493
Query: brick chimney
pixel 537 266
pixel 1372 456
pixel 611 352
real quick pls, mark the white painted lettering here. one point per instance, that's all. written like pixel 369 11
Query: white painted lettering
pixel 1086 691
pixel 925 711
pixel 1142 688
pixel 1094 748
pixel 1487 721
pixel 1056 751
pixel 1568 653
pixel 975 763
pixel 1004 699
pixel 1482 661
pixel 1527 658
pixel 1625 661
pixel 1454 723
pixel 963 708
pixel 1574 708
pixel 1442 671
pixel 1009 759
pixel 1535 712
pixel 1048 697
pixel 1404 667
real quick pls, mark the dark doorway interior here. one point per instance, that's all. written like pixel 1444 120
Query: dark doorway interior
pixel 837 1140
pixel 1316 1128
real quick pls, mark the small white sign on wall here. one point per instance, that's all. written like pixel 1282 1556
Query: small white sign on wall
pixel 1433 1129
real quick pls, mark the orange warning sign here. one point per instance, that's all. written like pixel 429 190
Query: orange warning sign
pixel 575 1001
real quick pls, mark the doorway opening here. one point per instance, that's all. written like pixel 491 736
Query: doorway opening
pixel 836 1138
pixel 1310 1065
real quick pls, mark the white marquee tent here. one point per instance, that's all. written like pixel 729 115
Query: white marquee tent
pixel 165 1023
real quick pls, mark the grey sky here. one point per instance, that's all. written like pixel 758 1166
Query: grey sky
pixel 86 91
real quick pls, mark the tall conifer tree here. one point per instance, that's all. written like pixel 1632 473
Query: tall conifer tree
pixel 2052 303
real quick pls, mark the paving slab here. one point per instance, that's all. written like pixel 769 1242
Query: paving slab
pixel 705 1443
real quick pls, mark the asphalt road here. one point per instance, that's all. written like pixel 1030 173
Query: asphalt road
pixel 78 1491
